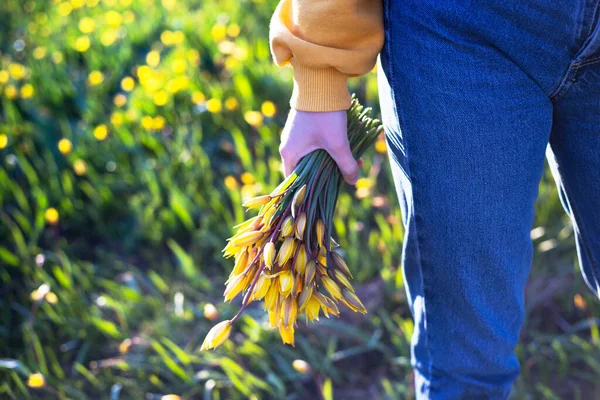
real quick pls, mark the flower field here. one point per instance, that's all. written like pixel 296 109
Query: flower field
pixel 131 131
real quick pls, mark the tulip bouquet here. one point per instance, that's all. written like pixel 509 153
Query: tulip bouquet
pixel 284 255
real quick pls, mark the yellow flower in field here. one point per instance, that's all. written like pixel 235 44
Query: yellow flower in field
pixel 233 30
pixel 226 47
pixel 57 57
pixel 170 397
pixel 179 66
pixel 36 381
pixel 158 123
pixel 230 63
pixel 127 84
pixel 80 167
pixel 217 335
pixel 4 76
pixel 51 298
pixel 380 146
pixel 78 3
pixel 101 132
pixel 247 178
pixel 65 9
pixel 116 119
pixel 39 293
pixel 364 183
pixel 82 44
pixel 147 122
pixel 120 100
pixel 95 78
pixel 87 25
pixel 108 38
pixel 253 118
pixel 153 58
pixel 132 114
pixel 301 366
pixel 17 71
pixel 3 141
pixel 51 216
pixel 213 106
pixel 27 91
pixel 113 18
pixel 92 3
pixel 193 56
pixel 178 37
pixel 198 97
pixel 144 72
pixel 218 32
pixel 168 4
pixel 230 182
pixel 161 98
pixel 65 146
pixel 268 109
pixel 125 346
pixel 231 103
pixel 166 37
pixel 211 312
pixel 39 53
pixel 128 17
pixel 10 92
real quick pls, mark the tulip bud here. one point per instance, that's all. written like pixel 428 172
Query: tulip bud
pixel 332 287
pixel 246 238
pixel 257 201
pixel 311 269
pixel 287 334
pixel 217 335
pixel 352 301
pixel 300 226
pixel 286 250
pixel 286 282
pixel 269 254
pixel 341 278
pixel 339 263
pixel 320 230
pixel 288 227
pixel 298 199
pixel 300 260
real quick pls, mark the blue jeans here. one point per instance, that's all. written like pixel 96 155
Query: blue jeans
pixel 474 95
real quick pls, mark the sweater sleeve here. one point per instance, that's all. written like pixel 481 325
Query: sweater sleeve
pixel 326 41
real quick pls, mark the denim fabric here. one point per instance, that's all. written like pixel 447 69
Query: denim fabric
pixel 474 96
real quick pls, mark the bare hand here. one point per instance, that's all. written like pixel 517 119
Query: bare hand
pixel 307 131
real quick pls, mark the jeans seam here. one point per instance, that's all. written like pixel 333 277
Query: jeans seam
pixel 579 227
pixel 412 200
pixel 589 61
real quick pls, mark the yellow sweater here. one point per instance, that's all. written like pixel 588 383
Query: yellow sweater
pixel 326 41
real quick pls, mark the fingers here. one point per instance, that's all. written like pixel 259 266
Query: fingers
pixel 346 162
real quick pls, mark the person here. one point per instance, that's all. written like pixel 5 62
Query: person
pixel 473 96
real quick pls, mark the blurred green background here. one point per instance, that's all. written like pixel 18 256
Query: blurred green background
pixel 130 133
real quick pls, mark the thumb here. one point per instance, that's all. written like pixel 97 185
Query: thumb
pixel 346 163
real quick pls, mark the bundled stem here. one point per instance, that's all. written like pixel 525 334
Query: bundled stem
pixel 283 256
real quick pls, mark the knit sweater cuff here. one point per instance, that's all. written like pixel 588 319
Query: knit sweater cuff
pixel 319 89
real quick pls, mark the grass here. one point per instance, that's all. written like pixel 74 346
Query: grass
pixel 130 133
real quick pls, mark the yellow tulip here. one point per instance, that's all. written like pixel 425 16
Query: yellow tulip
pixel 269 254
pixel 257 201
pixel 286 250
pixel 332 287
pixel 286 282
pixel 246 238
pixel 352 300
pixel 217 335
pixel 300 226
pixel 300 260
pixel 287 334
pixel 287 227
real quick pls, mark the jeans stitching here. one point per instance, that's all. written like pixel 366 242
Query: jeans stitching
pixel 589 61
pixel 411 177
